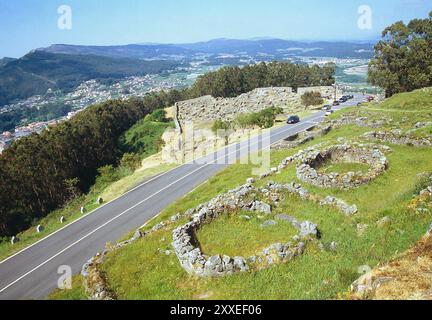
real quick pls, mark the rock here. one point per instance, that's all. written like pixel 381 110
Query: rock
pixel 308 229
pixel 269 223
pixel 250 181
pixel 384 222
pixel 176 217
pixel 261 207
pixel 240 264
pixel 245 217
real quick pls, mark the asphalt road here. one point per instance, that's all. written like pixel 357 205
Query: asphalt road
pixel 33 272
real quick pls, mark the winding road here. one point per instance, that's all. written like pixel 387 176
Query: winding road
pixel 33 272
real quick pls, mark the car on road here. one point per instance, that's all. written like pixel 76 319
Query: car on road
pixel 336 103
pixel 293 120
pixel 327 107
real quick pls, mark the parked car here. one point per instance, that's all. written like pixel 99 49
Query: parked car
pixel 327 107
pixel 293 120
pixel 336 103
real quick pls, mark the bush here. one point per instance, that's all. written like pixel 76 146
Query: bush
pixel 312 99
pixel 130 161
pixel 220 125
pixel 263 119
pixel 158 115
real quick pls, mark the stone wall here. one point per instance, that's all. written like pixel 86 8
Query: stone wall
pixel 208 108
pixel 396 137
pixel 310 160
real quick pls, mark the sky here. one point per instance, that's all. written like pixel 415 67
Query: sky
pixel 29 24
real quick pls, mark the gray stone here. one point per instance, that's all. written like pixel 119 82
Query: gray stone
pixel 261 207
pixel 269 223
pixel 308 228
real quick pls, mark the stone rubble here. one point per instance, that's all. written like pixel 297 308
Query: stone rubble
pixel 311 159
pixel 207 108
pixel 397 137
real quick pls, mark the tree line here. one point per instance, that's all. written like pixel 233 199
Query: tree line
pixel 43 172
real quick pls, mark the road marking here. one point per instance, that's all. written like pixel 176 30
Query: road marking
pixel 129 209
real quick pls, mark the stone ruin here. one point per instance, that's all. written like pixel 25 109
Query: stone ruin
pixel 310 160
pixel 197 263
pixel 207 108
pixel 397 137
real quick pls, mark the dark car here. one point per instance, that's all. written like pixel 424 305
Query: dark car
pixel 336 103
pixel 293 120
pixel 327 107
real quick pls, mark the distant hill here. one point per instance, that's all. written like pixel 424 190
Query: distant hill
pixel 278 46
pixel 137 51
pixel 6 60
pixel 274 47
pixel 38 71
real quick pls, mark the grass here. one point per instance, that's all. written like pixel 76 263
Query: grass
pixel 139 271
pixel 233 235
pixel 343 168
pixel 71 211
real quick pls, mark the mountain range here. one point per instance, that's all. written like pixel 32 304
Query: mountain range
pixel 63 67
pixel 224 46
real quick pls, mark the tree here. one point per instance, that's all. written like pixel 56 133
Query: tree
pixel 403 58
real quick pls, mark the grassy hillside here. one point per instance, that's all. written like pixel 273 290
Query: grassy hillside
pixel 143 270
pixel 38 71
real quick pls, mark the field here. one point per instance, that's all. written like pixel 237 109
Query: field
pixel 143 270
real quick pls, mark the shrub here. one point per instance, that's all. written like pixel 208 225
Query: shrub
pixel 131 161
pixel 220 125
pixel 312 98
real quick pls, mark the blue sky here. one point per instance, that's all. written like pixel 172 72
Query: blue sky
pixel 29 24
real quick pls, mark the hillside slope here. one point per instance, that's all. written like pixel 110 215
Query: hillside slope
pixel 384 225
pixel 38 71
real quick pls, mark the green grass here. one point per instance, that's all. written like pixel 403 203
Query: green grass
pixel 139 271
pixel 343 168
pixel 233 235
pixel 76 293
pixel 72 211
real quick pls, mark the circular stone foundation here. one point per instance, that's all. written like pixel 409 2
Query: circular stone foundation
pixel 308 169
